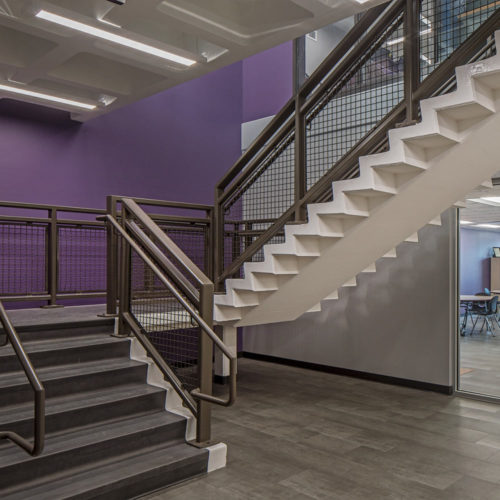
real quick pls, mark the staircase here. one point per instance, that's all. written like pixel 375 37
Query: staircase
pixel 428 167
pixel 108 433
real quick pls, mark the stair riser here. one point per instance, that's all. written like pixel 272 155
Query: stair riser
pixel 148 482
pixel 70 356
pixel 91 415
pixel 16 475
pixel 37 332
pixel 71 385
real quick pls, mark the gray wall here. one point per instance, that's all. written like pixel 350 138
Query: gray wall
pixel 397 322
pixel 327 39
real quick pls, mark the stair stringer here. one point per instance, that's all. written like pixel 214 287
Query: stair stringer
pixel 394 255
pixel 217 453
pixel 458 130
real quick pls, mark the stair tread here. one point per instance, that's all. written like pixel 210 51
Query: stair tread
pixel 79 437
pixel 16 378
pixel 24 411
pixel 105 475
pixel 43 345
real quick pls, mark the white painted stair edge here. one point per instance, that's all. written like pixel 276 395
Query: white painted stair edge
pixel 217 453
pixel 429 166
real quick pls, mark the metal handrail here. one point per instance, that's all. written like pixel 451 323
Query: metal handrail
pixel 342 58
pixel 166 241
pixel 160 274
pixel 39 413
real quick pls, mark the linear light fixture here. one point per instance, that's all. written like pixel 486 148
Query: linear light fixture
pixel 112 37
pixel 401 39
pixel 494 199
pixel 46 97
pixel 489 226
pixel 465 222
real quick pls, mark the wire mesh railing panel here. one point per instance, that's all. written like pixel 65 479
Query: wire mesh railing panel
pixel 355 103
pixel 445 25
pixel 82 259
pixel 192 241
pixel 168 326
pixel 23 266
pixel 265 195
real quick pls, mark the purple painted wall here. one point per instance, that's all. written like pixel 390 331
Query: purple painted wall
pixel 475 251
pixel 267 82
pixel 174 145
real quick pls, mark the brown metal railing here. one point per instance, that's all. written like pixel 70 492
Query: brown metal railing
pixel 39 413
pixel 396 55
pixel 171 313
pixel 189 225
pixel 51 253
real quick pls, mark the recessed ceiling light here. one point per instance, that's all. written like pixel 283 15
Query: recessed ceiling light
pixel 465 222
pixel 112 37
pixel 46 97
pixel 489 226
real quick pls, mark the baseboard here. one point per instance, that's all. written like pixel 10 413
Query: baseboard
pixel 385 379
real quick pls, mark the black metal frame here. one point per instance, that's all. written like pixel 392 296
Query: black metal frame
pixel 39 413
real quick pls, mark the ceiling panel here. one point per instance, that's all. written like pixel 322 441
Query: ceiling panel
pixel 41 55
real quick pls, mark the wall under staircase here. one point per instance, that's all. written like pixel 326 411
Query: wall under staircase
pixel 397 322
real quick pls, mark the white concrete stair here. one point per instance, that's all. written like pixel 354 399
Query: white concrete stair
pixel 428 168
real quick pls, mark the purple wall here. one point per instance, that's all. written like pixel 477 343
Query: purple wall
pixel 475 251
pixel 267 82
pixel 174 145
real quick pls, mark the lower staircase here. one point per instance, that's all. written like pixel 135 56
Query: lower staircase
pixel 108 433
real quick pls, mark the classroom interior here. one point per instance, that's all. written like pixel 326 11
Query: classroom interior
pixel 478 349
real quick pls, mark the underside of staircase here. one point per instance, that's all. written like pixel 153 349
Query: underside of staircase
pixel 108 436
pixel 428 168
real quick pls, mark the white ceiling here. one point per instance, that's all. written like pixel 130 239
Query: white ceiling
pixel 483 211
pixel 41 56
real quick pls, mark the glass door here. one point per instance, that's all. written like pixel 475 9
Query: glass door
pixel 479 272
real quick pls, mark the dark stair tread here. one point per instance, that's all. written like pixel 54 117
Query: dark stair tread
pixel 80 437
pixel 54 344
pixel 104 478
pixel 89 399
pixel 18 378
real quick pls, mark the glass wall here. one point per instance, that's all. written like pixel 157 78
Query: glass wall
pixel 479 278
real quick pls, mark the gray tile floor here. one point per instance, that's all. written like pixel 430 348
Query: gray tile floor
pixel 297 434
pixel 480 361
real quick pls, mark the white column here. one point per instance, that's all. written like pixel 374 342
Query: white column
pixel 228 335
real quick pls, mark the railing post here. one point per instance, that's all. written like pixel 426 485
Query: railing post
pixel 300 157
pixel 236 242
pixel 205 367
pixel 52 258
pixel 209 246
pixel 411 58
pixel 111 260
pixel 125 282
pixel 218 240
